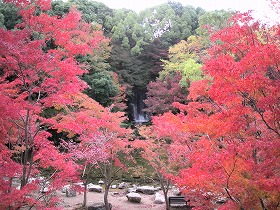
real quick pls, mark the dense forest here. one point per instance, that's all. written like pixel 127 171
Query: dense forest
pixel 86 89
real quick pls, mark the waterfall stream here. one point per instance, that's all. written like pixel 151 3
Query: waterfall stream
pixel 136 107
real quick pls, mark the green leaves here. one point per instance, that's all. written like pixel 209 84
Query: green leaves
pixel 182 59
pixel 9 15
pixel 102 87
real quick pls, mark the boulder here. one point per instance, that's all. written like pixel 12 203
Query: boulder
pixel 44 186
pixel 70 192
pixel 94 188
pixel 16 183
pixel 98 206
pixel 64 188
pixel 101 182
pixel 221 200
pixel 149 190
pixel 80 184
pixel 123 185
pixel 44 189
pixel 131 189
pixel 176 191
pixel 159 198
pixel 158 188
pixel 134 197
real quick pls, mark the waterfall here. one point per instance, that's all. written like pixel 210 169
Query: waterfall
pixel 137 105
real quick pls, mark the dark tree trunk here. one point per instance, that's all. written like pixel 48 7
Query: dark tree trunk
pixel 165 189
pixel 106 202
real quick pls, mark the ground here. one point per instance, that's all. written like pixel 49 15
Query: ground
pixel 117 198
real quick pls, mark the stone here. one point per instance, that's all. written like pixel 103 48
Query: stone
pixel 80 184
pixel 44 186
pixel 176 191
pixel 221 200
pixel 134 197
pixel 123 185
pixel 44 189
pixel 16 183
pixel 70 192
pixel 64 188
pixel 94 188
pixel 131 189
pixel 157 188
pixel 32 179
pixel 101 182
pixel 98 206
pixel 159 198
pixel 149 190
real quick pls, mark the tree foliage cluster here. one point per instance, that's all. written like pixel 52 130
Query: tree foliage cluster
pixel 225 141
pixel 42 63
pixel 138 41
pixel 213 88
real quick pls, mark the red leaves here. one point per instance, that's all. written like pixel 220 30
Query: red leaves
pixel 161 94
pixel 35 78
pixel 231 127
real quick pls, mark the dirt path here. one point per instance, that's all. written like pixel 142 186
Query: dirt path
pixel 118 201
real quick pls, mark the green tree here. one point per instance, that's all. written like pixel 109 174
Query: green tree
pixel 211 22
pixel 92 11
pixel 127 30
pixel 171 21
pixel 131 70
pixel 9 15
pixel 59 8
pixel 183 59
pixel 102 87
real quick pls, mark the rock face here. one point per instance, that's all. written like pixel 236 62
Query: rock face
pixel 134 197
pixel 94 188
pixel 70 192
pixel 98 206
pixel 159 198
pixel 149 190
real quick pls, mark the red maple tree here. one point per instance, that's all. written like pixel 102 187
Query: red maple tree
pixel 34 77
pixel 101 140
pixel 232 127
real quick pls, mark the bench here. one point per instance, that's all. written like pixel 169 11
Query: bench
pixel 178 202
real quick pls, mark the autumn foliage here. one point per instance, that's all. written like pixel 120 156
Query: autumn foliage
pixel 221 148
pixel 39 72
pixel 231 128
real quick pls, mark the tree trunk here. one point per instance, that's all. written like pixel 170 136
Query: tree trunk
pixel 165 190
pixel 106 202
pixel 24 154
pixel 86 173
pixel 263 205
pixel 85 193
